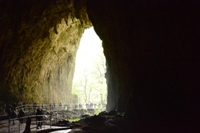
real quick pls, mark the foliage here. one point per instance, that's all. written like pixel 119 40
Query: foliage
pixel 73 119
pixel 89 81
pixel 97 111
pixel 91 85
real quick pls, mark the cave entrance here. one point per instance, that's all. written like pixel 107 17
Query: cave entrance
pixel 89 83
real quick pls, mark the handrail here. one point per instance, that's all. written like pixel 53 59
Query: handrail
pixel 30 107
pixel 53 106
pixel 8 130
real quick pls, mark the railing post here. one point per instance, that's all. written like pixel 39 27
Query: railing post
pixel 50 119
pixel 36 121
pixel 43 120
pixel 63 113
pixel 56 117
pixel 8 124
pixel 19 124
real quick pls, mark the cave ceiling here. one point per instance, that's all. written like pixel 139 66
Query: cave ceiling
pixel 38 44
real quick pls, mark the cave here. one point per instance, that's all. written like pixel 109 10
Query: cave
pixel 151 49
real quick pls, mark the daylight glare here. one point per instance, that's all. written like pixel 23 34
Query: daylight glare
pixel 89 82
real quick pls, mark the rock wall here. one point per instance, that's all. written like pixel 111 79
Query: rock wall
pixel 152 54
pixel 38 43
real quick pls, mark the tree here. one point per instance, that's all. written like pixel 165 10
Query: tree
pixel 92 82
pixel 99 74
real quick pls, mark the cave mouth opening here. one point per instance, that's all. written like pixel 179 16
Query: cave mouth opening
pixel 89 82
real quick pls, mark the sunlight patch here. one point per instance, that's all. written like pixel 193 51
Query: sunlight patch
pixel 89 82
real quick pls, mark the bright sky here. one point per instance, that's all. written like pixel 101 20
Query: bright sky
pixel 89 50
pixel 89 55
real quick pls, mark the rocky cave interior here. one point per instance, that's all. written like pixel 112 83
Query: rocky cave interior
pixel 151 49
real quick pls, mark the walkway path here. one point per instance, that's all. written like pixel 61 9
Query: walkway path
pixel 6 127
pixel 20 129
pixel 51 115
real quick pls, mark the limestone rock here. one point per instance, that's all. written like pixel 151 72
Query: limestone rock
pixel 38 55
